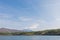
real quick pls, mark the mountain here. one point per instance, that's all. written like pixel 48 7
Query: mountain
pixel 9 30
pixel 13 30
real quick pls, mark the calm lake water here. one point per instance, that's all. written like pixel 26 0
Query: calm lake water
pixel 29 37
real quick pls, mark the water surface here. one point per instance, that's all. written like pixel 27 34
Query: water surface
pixel 29 37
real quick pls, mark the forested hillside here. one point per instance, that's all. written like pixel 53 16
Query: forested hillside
pixel 45 32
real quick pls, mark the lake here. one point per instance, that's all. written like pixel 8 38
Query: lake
pixel 29 37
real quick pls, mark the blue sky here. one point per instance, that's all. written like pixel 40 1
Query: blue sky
pixel 30 14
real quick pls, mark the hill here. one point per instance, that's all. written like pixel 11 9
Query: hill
pixel 9 30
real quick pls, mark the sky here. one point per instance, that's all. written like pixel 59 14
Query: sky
pixel 30 14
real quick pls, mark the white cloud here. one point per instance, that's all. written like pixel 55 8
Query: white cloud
pixel 53 9
pixel 56 14
pixel 5 16
pixel 25 19
pixel 6 21
pixel 33 26
pixel 10 24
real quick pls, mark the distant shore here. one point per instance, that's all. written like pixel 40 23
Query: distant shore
pixel 45 32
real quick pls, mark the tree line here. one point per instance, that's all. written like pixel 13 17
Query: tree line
pixel 45 32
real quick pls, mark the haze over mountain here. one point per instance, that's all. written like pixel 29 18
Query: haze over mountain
pixel 13 30
pixel 27 30
pixel 8 30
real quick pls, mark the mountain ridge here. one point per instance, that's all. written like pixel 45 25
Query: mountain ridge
pixel 13 30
